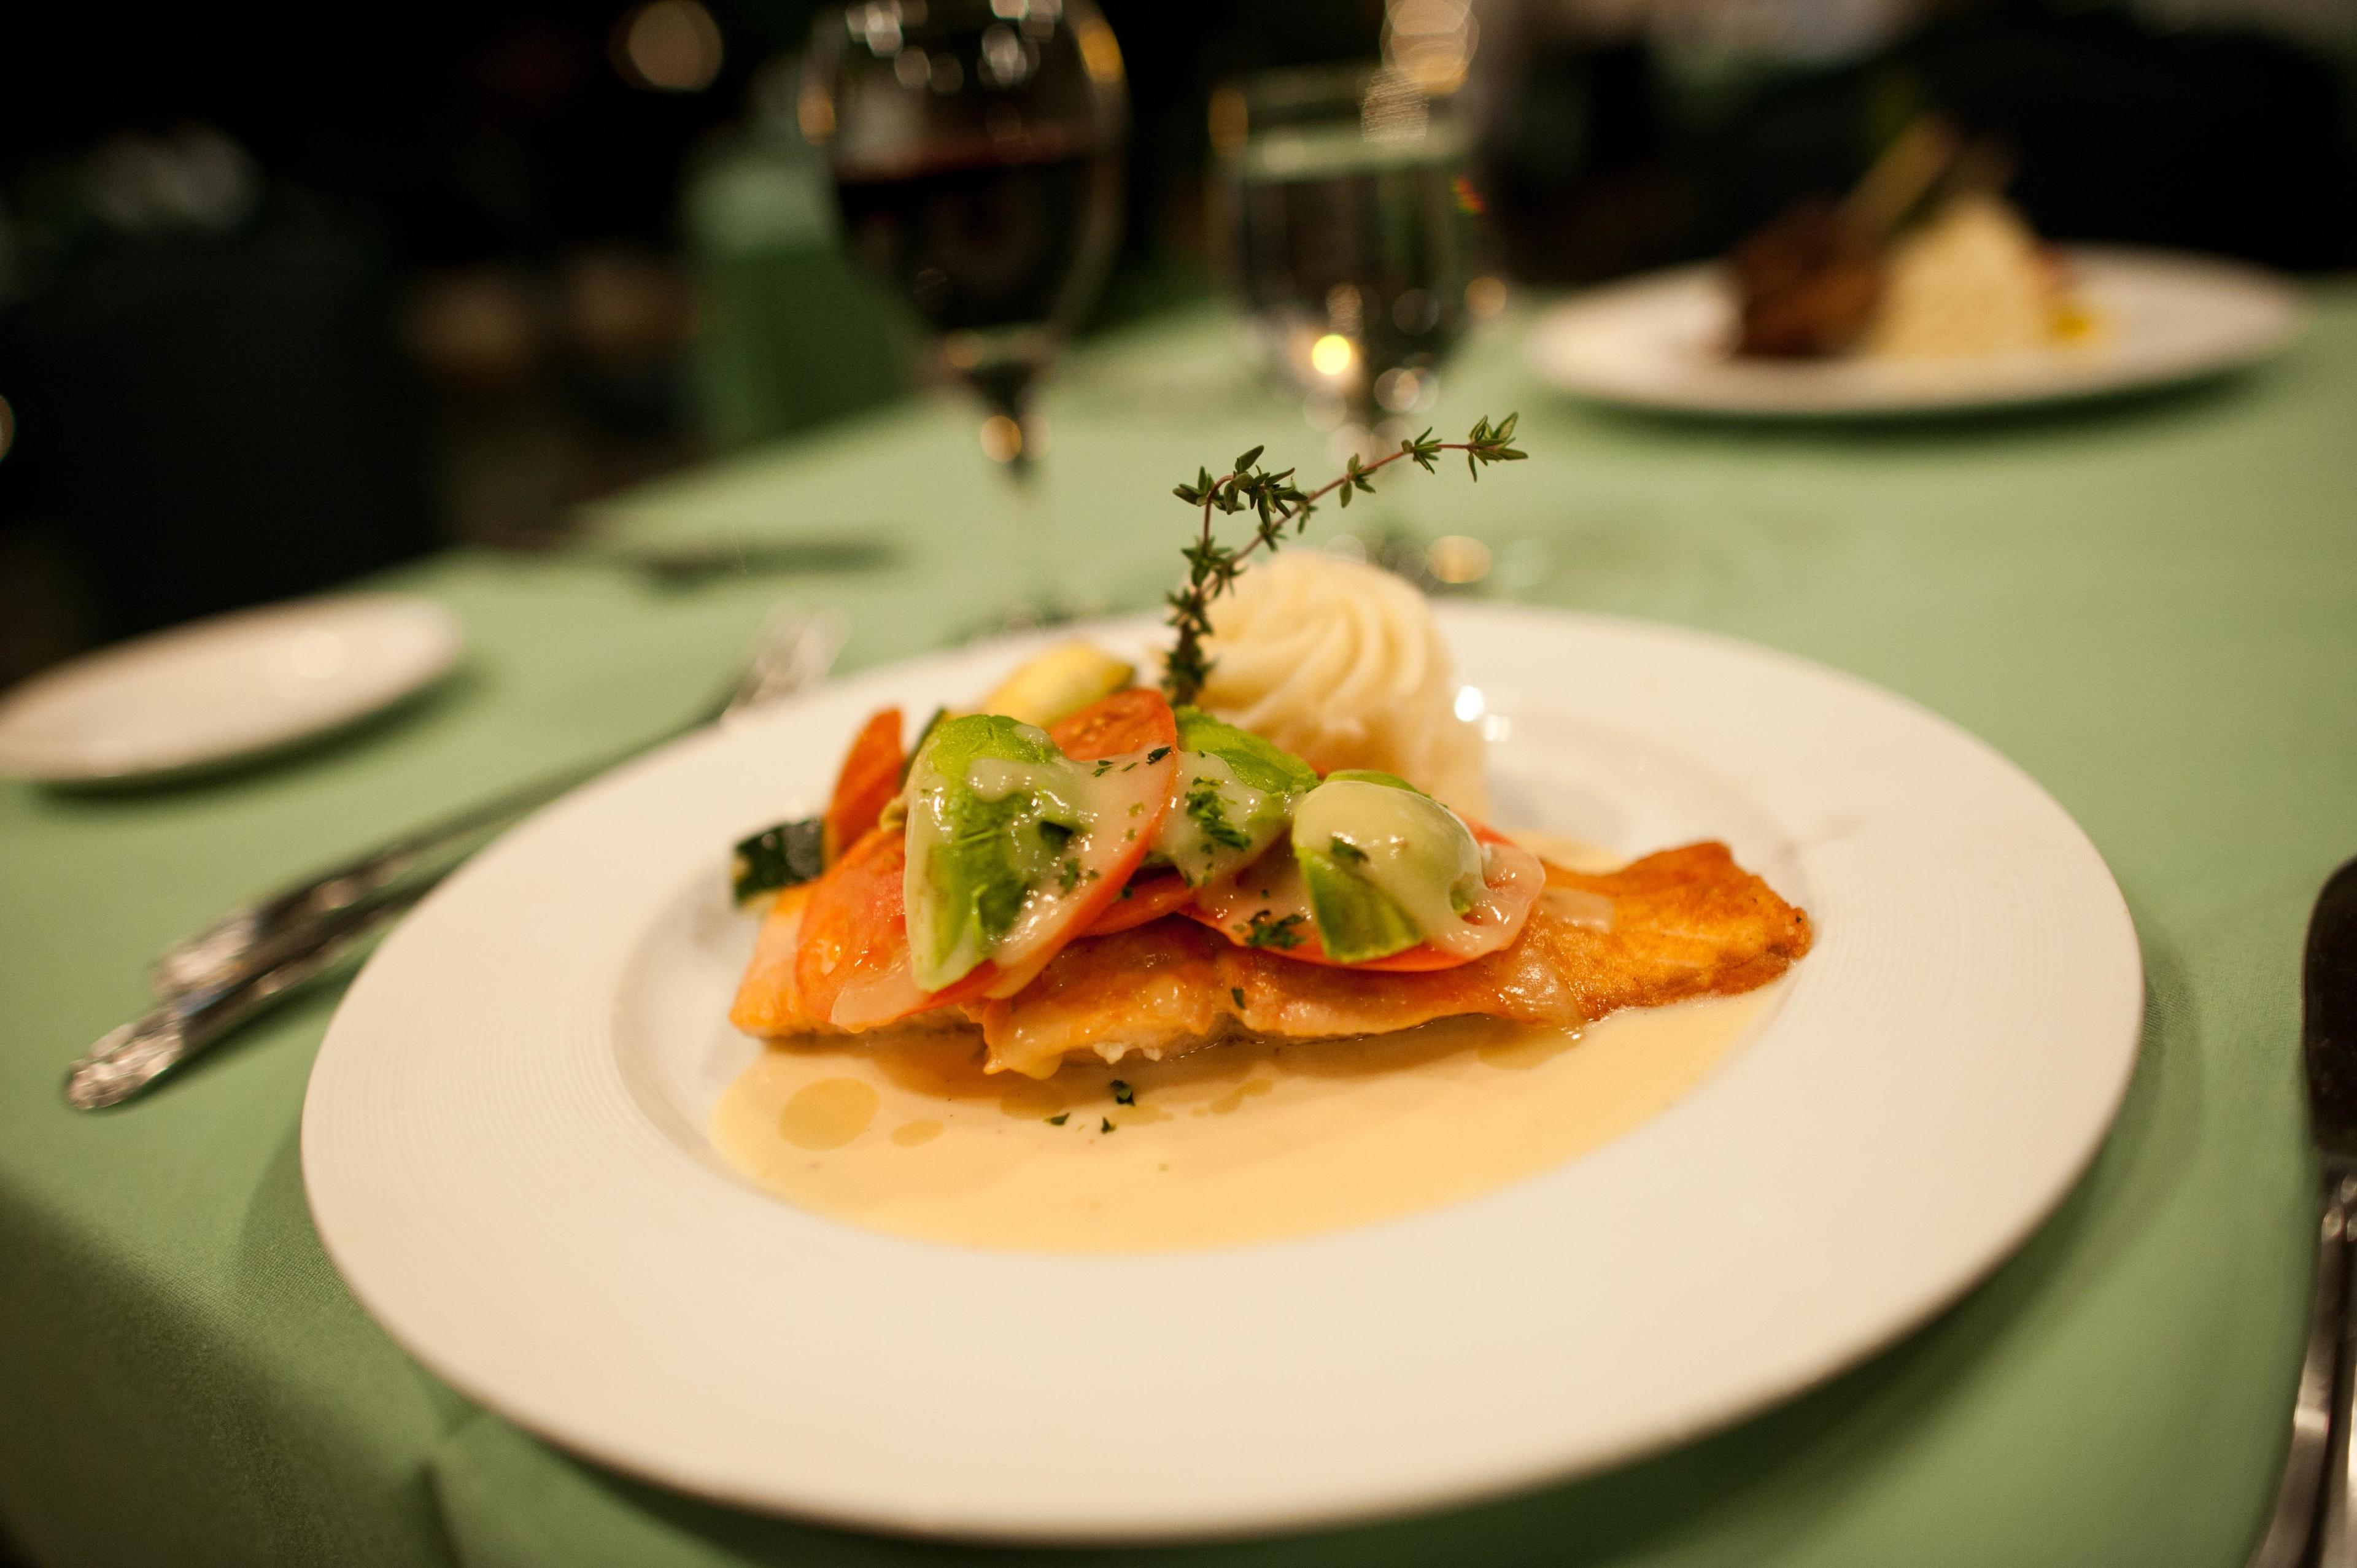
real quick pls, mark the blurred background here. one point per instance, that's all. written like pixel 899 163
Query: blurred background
pixel 285 299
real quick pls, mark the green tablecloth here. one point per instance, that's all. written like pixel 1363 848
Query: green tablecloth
pixel 2152 606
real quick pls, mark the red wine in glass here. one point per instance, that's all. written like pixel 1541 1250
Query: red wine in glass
pixel 997 253
pixel 976 151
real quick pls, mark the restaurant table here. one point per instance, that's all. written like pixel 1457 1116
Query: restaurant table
pixel 2150 603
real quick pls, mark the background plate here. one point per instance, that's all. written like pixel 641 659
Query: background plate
pixel 1659 341
pixel 502 1146
pixel 224 687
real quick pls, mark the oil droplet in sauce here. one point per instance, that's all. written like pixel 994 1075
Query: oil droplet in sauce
pixel 1244 1142
pixel 1030 1099
pixel 1228 1104
pixel 828 1113
pixel 1524 1050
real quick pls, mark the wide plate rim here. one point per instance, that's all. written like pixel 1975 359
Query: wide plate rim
pixel 35 760
pixel 347 1239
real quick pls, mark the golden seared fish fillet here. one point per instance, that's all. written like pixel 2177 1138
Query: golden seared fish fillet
pixel 1683 922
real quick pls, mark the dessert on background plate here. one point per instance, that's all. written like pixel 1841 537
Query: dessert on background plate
pixel 1924 260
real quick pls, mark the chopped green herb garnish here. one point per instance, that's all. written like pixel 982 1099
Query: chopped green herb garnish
pixel 1060 1118
pixel 1346 852
pixel 1102 768
pixel 1124 890
pixel 1067 875
pixel 782 856
pixel 1204 803
pixel 1238 992
pixel 1123 1094
pixel 1157 753
pixel 1106 1125
pixel 1264 933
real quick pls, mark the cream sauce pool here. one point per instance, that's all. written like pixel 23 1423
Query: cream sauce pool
pixel 1234 1144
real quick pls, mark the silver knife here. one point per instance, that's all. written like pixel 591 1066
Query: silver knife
pixel 2315 1524
pixel 129 1057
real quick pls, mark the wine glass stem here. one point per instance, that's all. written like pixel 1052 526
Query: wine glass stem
pixel 1010 435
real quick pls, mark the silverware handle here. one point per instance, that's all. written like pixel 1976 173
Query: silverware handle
pixel 126 1060
pixel 2311 1525
pixel 205 958
pixel 794 652
pixel 2336 1542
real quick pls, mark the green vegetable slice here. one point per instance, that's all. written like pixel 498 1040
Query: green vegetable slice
pixel 1235 796
pixel 783 856
pixel 1259 764
pixel 1356 920
pixel 1372 776
pixel 1381 859
pixel 971 858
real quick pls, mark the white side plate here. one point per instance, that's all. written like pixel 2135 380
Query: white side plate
pixel 504 1152
pixel 1661 341
pixel 223 688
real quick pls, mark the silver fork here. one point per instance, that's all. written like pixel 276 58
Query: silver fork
pixel 214 981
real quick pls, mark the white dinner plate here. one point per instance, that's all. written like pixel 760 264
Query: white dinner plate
pixel 1661 341
pixel 504 1149
pixel 223 688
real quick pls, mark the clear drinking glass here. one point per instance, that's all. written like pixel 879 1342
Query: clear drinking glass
pixel 976 151
pixel 1345 221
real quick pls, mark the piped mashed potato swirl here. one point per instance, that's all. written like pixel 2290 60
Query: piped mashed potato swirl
pixel 1343 665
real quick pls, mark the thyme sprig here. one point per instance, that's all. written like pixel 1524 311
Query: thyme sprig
pixel 1280 507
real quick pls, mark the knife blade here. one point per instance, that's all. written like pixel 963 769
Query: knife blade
pixel 2311 1524
pixel 2328 1019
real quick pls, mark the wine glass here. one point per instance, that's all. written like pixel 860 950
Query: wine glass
pixel 1345 219
pixel 976 151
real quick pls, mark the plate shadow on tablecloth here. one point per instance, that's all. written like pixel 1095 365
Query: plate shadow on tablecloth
pixel 280 1277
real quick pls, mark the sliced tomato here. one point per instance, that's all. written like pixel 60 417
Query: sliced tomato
pixel 1515 882
pixel 870 778
pixel 852 968
pixel 852 931
pixel 1135 720
pixel 1147 897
